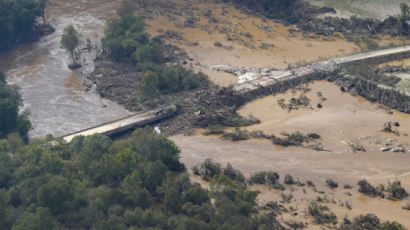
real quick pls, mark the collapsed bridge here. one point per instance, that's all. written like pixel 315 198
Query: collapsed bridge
pixel 268 76
pixel 258 82
pixel 265 81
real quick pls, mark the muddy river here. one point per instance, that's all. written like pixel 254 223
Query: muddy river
pixel 52 93
pixel 343 119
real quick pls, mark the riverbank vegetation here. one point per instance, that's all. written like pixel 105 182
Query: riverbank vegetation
pixel 70 40
pixel 17 21
pixel 316 209
pixel 125 41
pixel 278 9
pixel 11 120
pixel 96 183
pixel 304 15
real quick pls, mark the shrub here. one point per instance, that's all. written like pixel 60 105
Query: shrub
pixel 208 169
pixel 366 188
pixel 272 177
pixel 275 207
pixel 233 173
pixel 347 186
pixel 310 183
pixel 392 226
pixel 406 207
pixel 331 183
pixel 258 178
pixel 296 139
pixel 286 198
pixel 214 130
pixel 288 179
pixel 237 135
pixel 396 190
pixel 370 222
pixel 265 177
pixel 218 44
pixel 294 224
pixel 321 214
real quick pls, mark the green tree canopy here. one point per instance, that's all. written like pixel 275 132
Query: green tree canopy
pixel 17 18
pixel 404 17
pixel 10 102
pixel 70 40
pixel 40 218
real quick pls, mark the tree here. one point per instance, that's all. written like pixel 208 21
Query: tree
pixel 126 7
pixel 404 17
pixel 40 218
pixel 17 19
pixel 149 84
pixel 70 40
pixel 57 195
pixel 42 4
pixel 10 102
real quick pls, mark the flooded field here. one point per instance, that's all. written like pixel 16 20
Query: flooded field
pixel 343 120
pixel 305 164
pixel 343 202
pixel 231 37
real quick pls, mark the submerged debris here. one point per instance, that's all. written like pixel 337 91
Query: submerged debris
pixel 357 147
pixel 388 128
pixel 295 103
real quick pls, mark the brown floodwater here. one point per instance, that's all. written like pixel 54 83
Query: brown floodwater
pixel 343 119
pixel 52 93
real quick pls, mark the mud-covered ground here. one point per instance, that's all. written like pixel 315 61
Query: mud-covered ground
pixel 219 33
pixel 361 8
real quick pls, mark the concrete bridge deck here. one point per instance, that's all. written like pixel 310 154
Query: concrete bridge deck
pixel 268 77
pixel 126 123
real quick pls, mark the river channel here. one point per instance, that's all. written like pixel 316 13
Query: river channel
pixel 52 93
